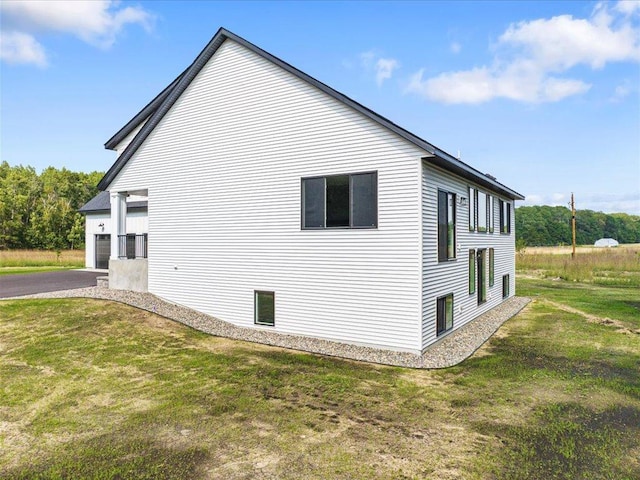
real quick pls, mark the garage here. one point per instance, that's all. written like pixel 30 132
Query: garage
pixel 103 251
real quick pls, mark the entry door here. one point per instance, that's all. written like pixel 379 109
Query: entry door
pixel 481 269
pixel 103 251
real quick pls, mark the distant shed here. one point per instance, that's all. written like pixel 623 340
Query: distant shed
pixel 606 242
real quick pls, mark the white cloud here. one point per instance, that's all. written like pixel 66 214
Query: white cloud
pixel 455 47
pixel 97 22
pixel 622 91
pixel 531 56
pixel 384 69
pixel 17 48
pixel 367 58
pixel 480 85
pixel 628 7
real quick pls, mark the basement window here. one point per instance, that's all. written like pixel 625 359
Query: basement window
pixel 264 309
pixel 505 286
pixel 444 314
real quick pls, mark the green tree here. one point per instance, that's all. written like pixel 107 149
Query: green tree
pixel 20 188
pixel 76 234
pixel 40 211
pixel 550 226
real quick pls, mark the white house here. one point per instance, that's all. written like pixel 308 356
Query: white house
pixel 98 229
pixel 278 203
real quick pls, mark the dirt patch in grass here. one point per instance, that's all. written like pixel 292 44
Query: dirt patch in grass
pixel 94 389
pixel 619 326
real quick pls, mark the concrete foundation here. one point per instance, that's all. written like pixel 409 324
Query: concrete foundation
pixel 129 274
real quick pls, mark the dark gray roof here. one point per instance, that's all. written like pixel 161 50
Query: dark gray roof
pixel 145 113
pixel 102 203
pixel 160 105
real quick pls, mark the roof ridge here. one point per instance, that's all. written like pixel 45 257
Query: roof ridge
pixel 158 107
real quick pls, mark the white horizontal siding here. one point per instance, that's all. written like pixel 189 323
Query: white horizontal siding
pixel 137 222
pixel 124 143
pixel 223 171
pixel 443 278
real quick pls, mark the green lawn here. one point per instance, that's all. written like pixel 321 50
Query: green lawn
pixel 98 390
pixel 23 270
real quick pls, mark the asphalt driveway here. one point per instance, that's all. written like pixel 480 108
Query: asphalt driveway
pixel 30 283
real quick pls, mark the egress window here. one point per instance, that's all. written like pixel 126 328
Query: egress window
pixel 340 201
pixel 264 308
pixel 444 314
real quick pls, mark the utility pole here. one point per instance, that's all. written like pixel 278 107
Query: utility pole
pixel 573 227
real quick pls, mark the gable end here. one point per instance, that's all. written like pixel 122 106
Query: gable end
pixel 159 107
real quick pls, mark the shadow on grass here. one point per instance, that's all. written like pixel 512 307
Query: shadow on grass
pixel 569 441
pixel 114 456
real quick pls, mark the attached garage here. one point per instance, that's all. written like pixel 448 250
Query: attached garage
pixel 103 251
pixel 98 228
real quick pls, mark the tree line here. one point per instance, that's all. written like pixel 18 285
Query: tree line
pixel 41 210
pixel 551 226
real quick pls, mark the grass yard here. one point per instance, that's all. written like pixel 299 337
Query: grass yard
pixel 98 390
pixel 36 261
pixel 603 266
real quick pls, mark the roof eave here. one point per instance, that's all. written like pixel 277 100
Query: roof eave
pixel 142 115
pixel 465 171
pixel 173 92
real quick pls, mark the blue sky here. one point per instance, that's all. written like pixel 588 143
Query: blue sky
pixel 543 95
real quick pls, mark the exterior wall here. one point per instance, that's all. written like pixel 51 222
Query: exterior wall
pixel 127 140
pixel 443 278
pixel 130 274
pixel 137 222
pixel 223 171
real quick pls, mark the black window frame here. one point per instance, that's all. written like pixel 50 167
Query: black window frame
pixel 491 209
pixel 492 266
pixel 472 209
pixel 444 242
pixel 481 272
pixel 505 217
pixel 472 272
pixel 256 307
pixel 441 309
pixel 351 200
pixel 506 285
pixel 485 217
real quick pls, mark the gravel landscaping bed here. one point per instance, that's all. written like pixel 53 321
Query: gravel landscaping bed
pixel 449 351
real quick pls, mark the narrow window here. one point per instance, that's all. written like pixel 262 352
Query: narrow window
pixel 340 201
pixel 444 314
pixel 482 212
pixel 337 201
pixel 472 209
pixel 313 197
pixel 482 283
pixel 505 286
pixel 505 217
pixel 472 271
pixel 364 200
pixel 446 226
pixel 492 216
pixel 264 308
pixel 491 266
